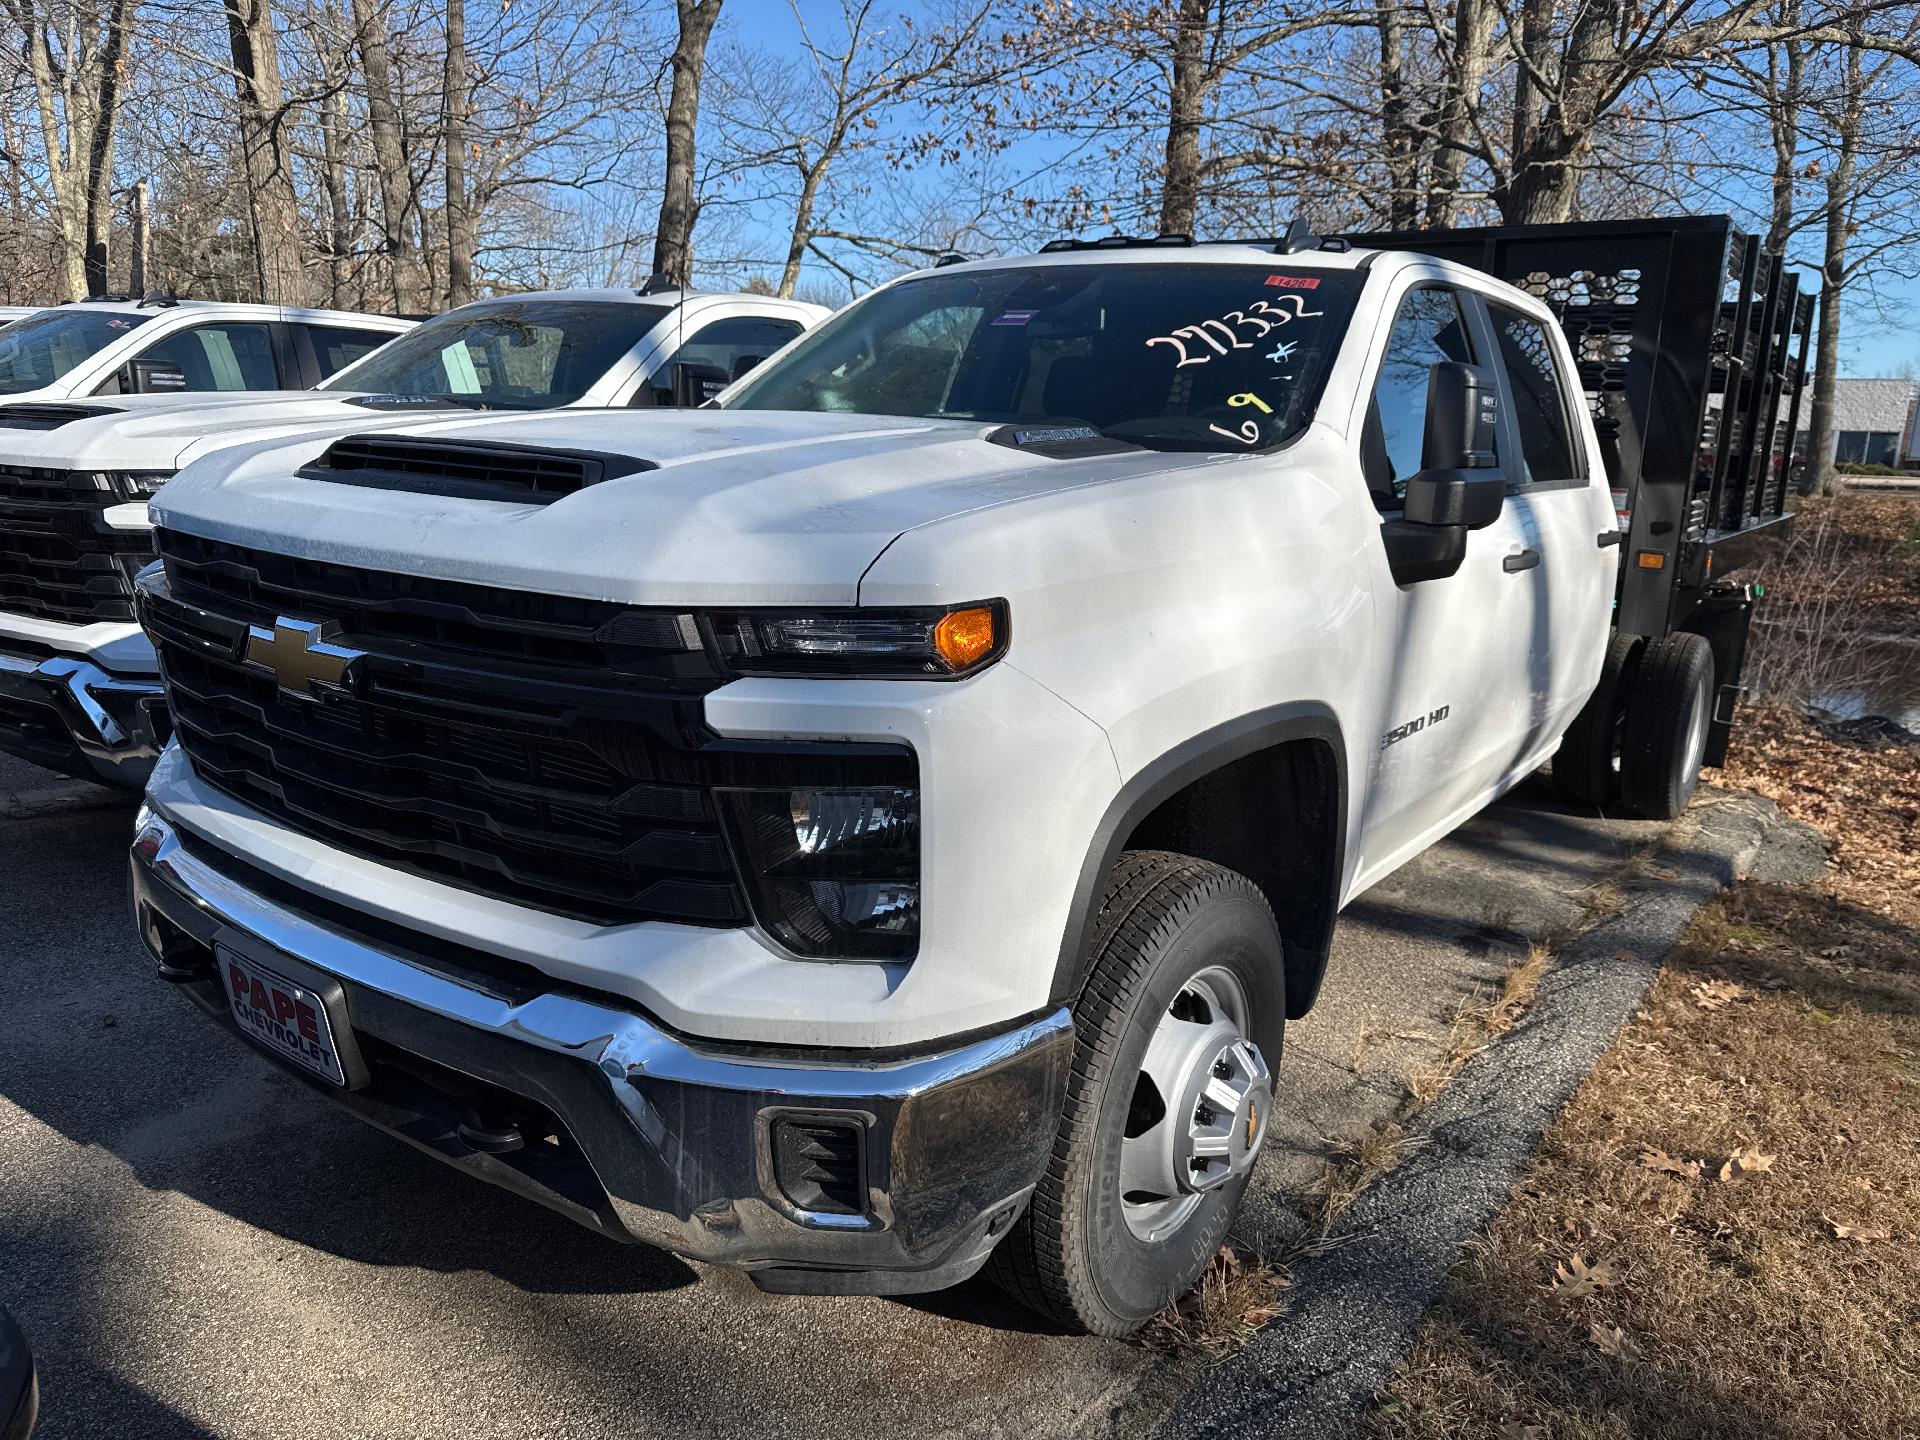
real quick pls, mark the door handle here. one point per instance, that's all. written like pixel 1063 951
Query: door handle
pixel 1520 560
pixel 1610 538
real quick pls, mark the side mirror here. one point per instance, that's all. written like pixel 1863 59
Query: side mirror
pixel 156 377
pixel 19 1392
pixel 694 384
pixel 1460 485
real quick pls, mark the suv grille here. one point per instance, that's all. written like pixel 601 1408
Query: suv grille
pixel 540 749
pixel 59 559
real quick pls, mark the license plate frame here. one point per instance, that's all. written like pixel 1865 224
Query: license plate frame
pixel 305 1022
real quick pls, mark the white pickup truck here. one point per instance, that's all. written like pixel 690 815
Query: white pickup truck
pixel 79 691
pixel 885 820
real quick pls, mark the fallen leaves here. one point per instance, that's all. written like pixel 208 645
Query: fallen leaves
pixel 1744 1163
pixel 1717 994
pixel 1612 1340
pixel 1863 1233
pixel 1653 1159
pixel 1575 1279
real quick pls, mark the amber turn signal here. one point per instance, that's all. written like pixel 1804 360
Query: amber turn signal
pixel 963 638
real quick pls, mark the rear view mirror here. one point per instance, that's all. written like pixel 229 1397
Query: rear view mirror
pixel 695 384
pixel 156 377
pixel 1460 485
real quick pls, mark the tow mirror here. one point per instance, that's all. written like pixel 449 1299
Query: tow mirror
pixel 694 384
pixel 156 377
pixel 19 1394
pixel 1460 485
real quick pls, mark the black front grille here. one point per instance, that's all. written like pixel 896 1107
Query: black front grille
pixel 59 559
pixel 541 749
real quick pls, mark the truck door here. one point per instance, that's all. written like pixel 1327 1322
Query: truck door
pixel 1563 490
pixel 1455 697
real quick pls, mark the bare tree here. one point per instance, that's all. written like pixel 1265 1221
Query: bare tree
pixel 673 236
pixel 75 56
pixel 459 211
pixel 397 198
pixel 273 212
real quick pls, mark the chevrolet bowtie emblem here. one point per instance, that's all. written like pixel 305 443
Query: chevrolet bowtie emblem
pixel 298 658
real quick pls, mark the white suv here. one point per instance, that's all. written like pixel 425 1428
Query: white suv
pixel 136 347
pixel 886 820
pixel 79 691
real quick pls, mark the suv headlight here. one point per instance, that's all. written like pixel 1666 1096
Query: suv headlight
pixel 134 484
pixel 833 873
pixel 929 643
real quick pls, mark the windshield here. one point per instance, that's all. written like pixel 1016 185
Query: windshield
pixel 517 355
pixel 1185 357
pixel 38 350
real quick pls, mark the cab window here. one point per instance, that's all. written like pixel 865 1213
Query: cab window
pixel 1542 399
pixel 336 346
pixel 733 346
pixel 1429 328
pixel 232 356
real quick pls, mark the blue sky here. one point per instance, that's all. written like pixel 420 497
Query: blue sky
pixel 1879 337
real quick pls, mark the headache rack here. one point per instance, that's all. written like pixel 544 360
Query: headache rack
pixel 1691 341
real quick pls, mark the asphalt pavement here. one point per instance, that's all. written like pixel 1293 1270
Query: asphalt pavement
pixel 198 1246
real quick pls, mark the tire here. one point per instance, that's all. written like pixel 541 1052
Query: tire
pixel 1585 766
pixel 1177 945
pixel 1669 714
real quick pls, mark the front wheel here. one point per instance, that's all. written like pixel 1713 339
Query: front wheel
pixel 1177 1031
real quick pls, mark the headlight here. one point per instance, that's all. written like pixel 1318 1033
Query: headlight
pixel 134 484
pixel 834 873
pixel 925 643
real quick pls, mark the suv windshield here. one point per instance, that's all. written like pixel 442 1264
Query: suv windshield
pixel 1174 356
pixel 40 349
pixel 511 355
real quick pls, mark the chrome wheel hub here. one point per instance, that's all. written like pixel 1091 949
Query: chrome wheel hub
pixel 1200 1107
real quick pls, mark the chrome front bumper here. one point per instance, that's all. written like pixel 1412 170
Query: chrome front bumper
pixel 70 715
pixel 642 1134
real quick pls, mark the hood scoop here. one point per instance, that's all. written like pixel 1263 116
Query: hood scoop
pixel 29 416
pixel 468 469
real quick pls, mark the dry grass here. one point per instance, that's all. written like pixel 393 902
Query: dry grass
pixel 1851 571
pixel 1714 1296
pixel 1237 1294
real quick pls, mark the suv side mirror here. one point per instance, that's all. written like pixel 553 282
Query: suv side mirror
pixel 1460 485
pixel 695 384
pixel 155 377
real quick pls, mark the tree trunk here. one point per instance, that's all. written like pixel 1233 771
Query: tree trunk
pixel 1817 472
pixel 278 265
pixel 106 113
pixel 1786 68
pixel 1460 100
pixel 802 229
pixel 390 159
pixel 1186 113
pixel 459 210
pixel 673 236
pixel 138 242
pixel 333 171
pixel 68 195
pixel 1396 136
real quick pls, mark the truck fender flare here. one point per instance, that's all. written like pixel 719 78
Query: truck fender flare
pixel 1172 772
